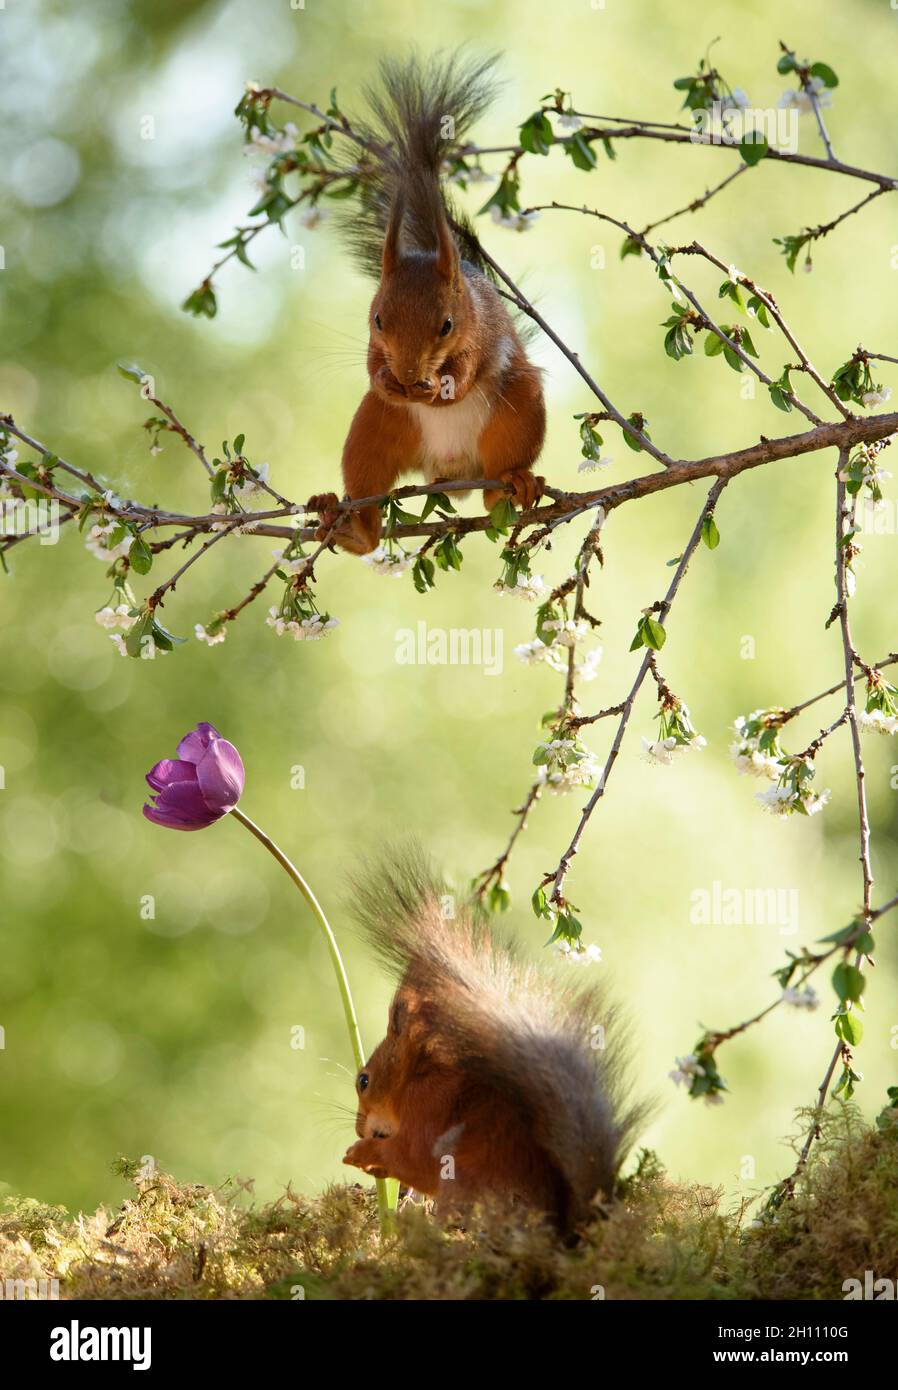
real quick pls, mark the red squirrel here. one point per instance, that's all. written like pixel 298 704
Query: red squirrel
pixel 493 1078
pixel 452 393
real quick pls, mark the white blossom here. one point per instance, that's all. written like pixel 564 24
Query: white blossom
pixel 312 217
pixel 220 509
pixel 251 485
pixel 803 98
pixel 738 100
pixel 294 565
pixel 806 998
pixel 528 586
pixel 686 1070
pixel 578 954
pixel 536 653
pixel 593 465
pixel 870 398
pixel 566 765
pixel 110 618
pixel 476 174
pixel 662 750
pixel 569 631
pixel 301 630
pixel 877 721
pixel 283 142
pixel 569 120
pixel 516 221
pixel 10 458
pixel 211 639
pixel 97 540
pixel 585 670
pixel 386 561
pixel 782 801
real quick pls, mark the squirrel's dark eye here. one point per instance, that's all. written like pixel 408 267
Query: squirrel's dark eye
pixel 446 328
pixel 363 1080
pixel 377 323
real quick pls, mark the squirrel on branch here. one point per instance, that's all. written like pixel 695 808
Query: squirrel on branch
pixel 493 1078
pixel 452 393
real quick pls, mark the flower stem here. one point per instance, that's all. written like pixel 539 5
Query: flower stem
pixel 387 1188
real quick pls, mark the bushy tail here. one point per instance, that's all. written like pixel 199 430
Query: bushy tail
pixel 420 109
pixel 548 1043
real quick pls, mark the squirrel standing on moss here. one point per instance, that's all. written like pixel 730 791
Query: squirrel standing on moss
pixel 493 1077
pixel 452 393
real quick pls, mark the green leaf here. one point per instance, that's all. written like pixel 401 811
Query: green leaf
pixel 202 302
pixel 423 572
pixel 536 133
pixel 786 63
pixel 436 501
pixel 499 899
pixel 746 342
pixel 842 934
pixel 649 633
pixel 581 152
pixel 503 516
pixel 165 639
pixel 733 359
pixel 758 308
pixel 825 73
pixel 131 372
pixel 848 982
pixel 140 557
pixel 849 1028
pixel 710 533
pixel 753 147
pixel 540 904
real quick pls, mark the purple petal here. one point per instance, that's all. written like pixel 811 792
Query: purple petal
pixel 180 806
pixel 221 776
pixel 193 746
pixel 172 822
pixel 169 771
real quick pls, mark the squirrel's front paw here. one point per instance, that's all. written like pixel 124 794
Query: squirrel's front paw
pixel 366 1155
pixel 528 488
pixel 386 383
pixel 326 505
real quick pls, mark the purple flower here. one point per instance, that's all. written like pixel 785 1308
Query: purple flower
pixel 198 787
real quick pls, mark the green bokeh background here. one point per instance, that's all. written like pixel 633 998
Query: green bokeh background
pixel 173 1037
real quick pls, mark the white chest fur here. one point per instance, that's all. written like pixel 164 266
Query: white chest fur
pixel 449 435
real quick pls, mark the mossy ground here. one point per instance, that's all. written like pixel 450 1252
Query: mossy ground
pixel 660 1240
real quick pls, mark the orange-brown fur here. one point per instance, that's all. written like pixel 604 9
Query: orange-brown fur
pixel 424 1120
pixel 414 359
pixel 488 1081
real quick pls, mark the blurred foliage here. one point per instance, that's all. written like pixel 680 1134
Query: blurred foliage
pixel 172 1037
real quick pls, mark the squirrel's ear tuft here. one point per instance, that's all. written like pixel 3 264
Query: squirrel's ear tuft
pixel 392 252
pixel 398 1012
pixel 447 263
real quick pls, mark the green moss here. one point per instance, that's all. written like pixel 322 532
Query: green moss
pixel 659 1240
